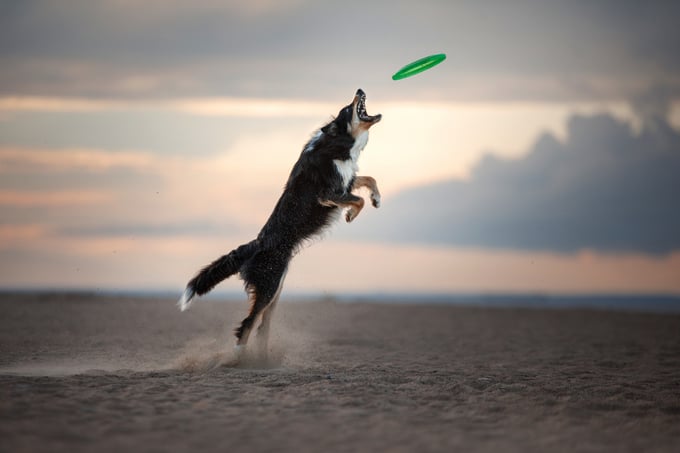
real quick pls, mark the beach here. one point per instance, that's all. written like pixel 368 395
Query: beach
pixel 90 372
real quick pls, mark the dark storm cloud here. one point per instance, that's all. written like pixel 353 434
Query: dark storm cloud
pixel 497 50
pixel 604 188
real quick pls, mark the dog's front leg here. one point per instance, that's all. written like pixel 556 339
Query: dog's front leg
pixel 348 200
pixel 370 183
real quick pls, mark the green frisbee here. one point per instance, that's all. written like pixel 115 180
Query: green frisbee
pixel 419 66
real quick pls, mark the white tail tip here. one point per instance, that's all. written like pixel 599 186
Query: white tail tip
pixel 185 300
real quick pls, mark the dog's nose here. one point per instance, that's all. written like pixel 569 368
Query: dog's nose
pixel 360 92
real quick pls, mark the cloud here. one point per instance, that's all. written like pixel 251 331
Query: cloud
pixel 603 188
pixel 169 131
pixel 111 194
pixel 148 229
pixel 207 106
pixel 12 234
pixel 196 126
pixel 14 159
pixel 52 198
pixel 309 49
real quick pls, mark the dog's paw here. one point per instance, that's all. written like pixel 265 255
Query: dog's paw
pixel 350 215
pixel 375 200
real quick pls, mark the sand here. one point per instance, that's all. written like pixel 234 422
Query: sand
pixel 92 373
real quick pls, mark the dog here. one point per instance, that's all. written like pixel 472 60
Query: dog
pixel 319 188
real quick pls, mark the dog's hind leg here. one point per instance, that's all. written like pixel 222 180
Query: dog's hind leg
pixel 259 299
pixel 267 312
pixel 264 278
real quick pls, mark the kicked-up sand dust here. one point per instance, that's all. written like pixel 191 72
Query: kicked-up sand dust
pixel 91 373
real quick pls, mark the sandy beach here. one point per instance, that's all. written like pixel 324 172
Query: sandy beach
pixel 84 372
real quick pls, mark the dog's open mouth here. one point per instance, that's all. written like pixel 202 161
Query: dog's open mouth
pixel 361 109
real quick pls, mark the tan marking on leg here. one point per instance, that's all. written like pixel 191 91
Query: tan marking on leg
pixel 351 201
pixel 244 337
pixel 354 210
pixel 243 340
pixel 263 329
pixel 370 183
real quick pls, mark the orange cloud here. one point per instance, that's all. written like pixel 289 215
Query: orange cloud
pixel 12 234
pixel 52 198
pixel 213 106
pixel 15 159
pixel 397 268
pixel 108 262
pixel 258 108
pixel 56 104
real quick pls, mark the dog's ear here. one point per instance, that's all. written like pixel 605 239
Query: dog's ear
pixel 330 129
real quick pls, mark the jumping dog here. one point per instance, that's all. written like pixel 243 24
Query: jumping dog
pixel 320 187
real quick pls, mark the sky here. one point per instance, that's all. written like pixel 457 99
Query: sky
pixel 543 156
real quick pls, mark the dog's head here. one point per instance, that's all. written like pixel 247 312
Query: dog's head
pixel 352 119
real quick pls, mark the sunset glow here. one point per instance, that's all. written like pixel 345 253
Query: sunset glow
pixel 133 169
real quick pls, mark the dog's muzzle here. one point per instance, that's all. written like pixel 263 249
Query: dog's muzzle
pixel 360 102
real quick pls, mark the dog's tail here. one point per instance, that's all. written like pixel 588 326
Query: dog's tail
pixel 220 269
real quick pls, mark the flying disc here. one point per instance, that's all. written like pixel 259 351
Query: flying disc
pixel 419 66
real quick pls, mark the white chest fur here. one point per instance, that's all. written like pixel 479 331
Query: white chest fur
pixel 349 168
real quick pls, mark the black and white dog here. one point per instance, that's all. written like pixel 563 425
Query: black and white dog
pixel 318 189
